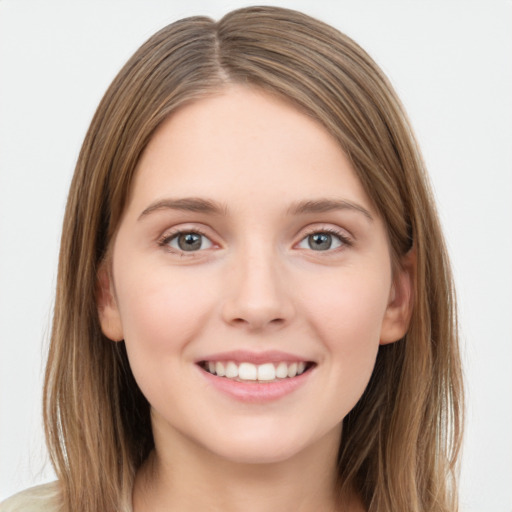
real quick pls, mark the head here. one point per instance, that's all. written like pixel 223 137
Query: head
pixel 396 448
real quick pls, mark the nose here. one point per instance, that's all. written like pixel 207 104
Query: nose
pixel 258 293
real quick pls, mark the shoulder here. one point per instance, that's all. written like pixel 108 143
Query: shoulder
pixel 36 499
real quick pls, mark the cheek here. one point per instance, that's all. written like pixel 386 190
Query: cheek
pixel 354 304
pixel 161 312
pixel 347 315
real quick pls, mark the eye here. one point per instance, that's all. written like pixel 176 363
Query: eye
pixel 187 241
pixel 323 241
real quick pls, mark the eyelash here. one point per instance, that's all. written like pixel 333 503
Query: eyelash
pixel 168 237
pixel 345 240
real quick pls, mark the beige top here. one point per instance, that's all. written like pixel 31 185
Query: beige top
pixel 42 498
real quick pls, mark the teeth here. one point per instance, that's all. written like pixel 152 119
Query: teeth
pixel 248 371
pixel 292 370
pixel 231 370
pixel 266 372
pixel 220 370
pixel 282 370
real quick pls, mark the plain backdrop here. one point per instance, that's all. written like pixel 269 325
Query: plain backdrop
pixel 451 63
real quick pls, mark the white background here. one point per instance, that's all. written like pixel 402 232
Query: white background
pixel 451 63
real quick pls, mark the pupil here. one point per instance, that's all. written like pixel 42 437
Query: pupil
pixel 320 241
pixel 189 242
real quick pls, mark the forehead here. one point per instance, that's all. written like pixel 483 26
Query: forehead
pixel 245 144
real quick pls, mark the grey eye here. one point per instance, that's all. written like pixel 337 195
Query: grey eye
pixel 321 242
pixel 190 241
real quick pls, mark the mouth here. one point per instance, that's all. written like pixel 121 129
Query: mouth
pixel 256 373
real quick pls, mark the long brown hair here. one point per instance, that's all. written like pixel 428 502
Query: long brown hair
pixel 400 443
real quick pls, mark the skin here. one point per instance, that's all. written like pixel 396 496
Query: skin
pixel 255 284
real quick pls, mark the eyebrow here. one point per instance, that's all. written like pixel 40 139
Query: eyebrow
pixel 327 205
pixel 188 204
pixel 207 206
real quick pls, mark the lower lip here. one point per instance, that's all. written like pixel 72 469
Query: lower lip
pixel 256 392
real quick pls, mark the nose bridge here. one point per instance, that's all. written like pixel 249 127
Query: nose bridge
pixel 258 294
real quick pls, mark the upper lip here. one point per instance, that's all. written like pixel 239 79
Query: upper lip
pixel 244 356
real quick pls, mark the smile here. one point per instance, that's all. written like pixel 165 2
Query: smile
pixel 249 372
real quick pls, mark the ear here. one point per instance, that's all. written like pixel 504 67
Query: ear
pixel 108 312
pixel 401 298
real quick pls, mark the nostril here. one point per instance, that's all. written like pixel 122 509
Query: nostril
pixel 257 312
pixel 258 323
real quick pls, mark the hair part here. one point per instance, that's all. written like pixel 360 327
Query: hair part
pixel 400 443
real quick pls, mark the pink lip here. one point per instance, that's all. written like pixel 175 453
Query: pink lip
pixel 256 392
pixel 241 356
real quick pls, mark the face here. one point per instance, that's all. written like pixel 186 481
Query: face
pixel 251 280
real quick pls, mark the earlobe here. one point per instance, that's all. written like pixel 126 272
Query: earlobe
pixel 108 312
pixel 401 300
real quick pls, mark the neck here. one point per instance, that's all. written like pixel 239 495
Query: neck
pixel 180 475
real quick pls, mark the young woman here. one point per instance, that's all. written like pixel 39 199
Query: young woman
pixel 254 305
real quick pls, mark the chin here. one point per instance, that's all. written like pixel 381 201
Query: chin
pixel 265 446
pixel 259 453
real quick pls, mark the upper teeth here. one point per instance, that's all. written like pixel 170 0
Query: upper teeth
pixel 249 371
